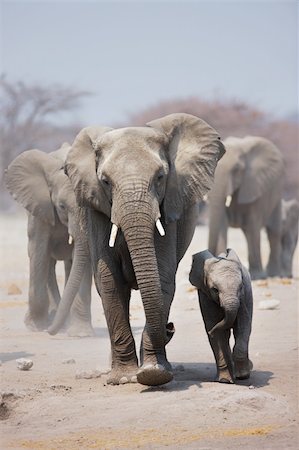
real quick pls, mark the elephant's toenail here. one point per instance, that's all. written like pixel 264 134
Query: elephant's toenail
pixel 123 380
pixel 147 367
pixel 134 379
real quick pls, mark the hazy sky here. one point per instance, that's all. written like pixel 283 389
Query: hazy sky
pixel 134 54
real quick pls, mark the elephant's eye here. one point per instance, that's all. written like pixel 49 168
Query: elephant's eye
pixel 160 178
pixel 214 291
pixel 105 180
pixel 62 206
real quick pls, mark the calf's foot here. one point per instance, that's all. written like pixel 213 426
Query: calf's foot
pixel 242 368
pixel 224 375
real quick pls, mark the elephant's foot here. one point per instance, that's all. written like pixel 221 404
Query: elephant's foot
pixel 273 271
pixel 256 274
pixel 80 328
pixel 242 368
pixel 155 370
pixel 122 375
pixel 37 323
pixel 153 375
pixel 224 375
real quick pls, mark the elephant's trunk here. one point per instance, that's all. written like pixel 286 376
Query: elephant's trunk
pixel 230 307
pixel 138 230
pixel 136 212
pixel 80 259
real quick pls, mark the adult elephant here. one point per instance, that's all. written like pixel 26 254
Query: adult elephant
pixel 37 181
pixel 247 194
pixel 140 186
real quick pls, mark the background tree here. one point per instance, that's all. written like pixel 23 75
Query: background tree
pixel 28 119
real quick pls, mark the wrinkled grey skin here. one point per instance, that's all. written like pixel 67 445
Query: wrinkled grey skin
pixel 131 177
pixel 225 298
pixel 251 173
pixel 289 235
pixel 37 181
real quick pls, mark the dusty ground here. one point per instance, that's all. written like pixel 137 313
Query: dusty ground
pixel 49 408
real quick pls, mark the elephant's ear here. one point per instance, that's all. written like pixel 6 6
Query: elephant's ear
pixel 197 275
pixel 231 255
pixel 81 169
pixel 248 297
pixel 26 179
pixel 193 152
pixel 264 163
pixel 62 152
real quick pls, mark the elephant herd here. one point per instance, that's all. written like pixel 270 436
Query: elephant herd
pixel 122 204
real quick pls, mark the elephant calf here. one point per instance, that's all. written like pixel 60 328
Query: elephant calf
pixel 225 298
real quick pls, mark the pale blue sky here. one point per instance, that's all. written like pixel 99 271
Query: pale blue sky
pixel 134 54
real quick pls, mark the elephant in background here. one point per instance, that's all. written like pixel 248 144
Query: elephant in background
pixel 247 194
pixel 224 306
pixel 37 181
pixel 138 188
pixel 289 235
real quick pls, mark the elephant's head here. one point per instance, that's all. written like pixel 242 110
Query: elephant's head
pixel 223 280
pixel 36 180
pixel 250 167
pixel 143 177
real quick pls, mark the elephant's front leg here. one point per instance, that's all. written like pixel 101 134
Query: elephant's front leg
pixel 252 232
pixel 36 318
pixel 115 298
pixel 80 314
pixel 242 330
pixel 219 341
pixel 223 356
pixel 155 368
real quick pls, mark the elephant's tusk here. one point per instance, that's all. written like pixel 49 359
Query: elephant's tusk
pixel 160 227
pixel 113 235
pixel 228 201
pixel 70 239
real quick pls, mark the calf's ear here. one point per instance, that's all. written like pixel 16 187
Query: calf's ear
pixel 197 275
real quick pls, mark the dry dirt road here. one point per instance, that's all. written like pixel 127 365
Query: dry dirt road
pixel 47 407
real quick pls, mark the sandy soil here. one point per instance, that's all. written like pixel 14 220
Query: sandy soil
pixel 47 407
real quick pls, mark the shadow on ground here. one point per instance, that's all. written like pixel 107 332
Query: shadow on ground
pixel 5 357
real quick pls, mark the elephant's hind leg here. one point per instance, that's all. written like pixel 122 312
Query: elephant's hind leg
pixel 273 229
